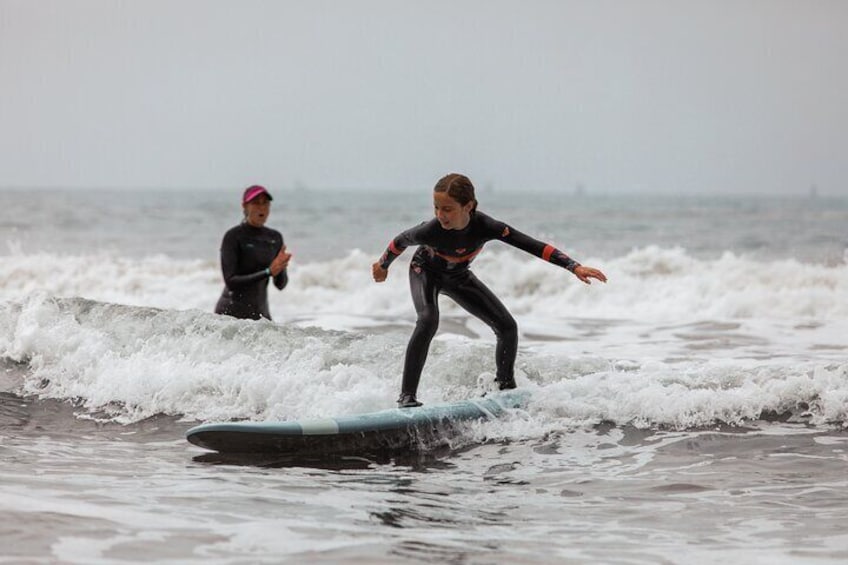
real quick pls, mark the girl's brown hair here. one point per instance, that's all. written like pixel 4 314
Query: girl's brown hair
pixel 458 187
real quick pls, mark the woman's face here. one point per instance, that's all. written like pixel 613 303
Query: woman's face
pixel 451 214
pixel 257 210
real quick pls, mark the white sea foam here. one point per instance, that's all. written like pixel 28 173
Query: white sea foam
pixel 129 363
pixel 671 340
pixel 652 284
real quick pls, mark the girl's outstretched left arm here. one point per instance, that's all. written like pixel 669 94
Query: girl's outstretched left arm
pixel 547 252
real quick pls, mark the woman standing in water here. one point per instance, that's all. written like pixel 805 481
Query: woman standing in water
pixel 251 255
pixel 447 245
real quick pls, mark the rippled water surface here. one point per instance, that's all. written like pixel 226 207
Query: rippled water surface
pixel 83 492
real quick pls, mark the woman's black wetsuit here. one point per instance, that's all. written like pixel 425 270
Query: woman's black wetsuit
pixel 440 265
pixel 246 253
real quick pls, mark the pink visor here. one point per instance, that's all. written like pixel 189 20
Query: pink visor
pixel 252 192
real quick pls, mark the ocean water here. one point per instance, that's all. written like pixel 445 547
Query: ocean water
pixel 692 410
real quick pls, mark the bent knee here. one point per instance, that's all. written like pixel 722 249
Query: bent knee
pixel 428 321
pixel 507 328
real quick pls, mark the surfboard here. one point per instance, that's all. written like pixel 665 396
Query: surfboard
pixel 386 430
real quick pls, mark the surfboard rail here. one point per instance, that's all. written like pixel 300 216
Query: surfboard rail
pixel 396 428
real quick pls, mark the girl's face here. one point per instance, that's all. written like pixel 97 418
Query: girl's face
pixel 257 210
pixel 451 214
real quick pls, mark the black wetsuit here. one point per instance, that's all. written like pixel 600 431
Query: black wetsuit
pixel 440 265
pixel 246 253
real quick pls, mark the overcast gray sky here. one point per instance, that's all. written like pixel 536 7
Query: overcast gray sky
pixel 617 96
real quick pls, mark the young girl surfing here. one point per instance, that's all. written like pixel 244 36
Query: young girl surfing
pixel 447 245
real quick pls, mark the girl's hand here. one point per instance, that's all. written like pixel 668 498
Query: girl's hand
pixel 585 273
pixel 379 273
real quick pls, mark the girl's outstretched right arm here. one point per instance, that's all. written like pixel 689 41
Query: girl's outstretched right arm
pixel 380 269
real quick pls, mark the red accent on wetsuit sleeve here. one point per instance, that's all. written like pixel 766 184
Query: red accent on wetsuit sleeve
pixel 547 252
pixel 394 249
